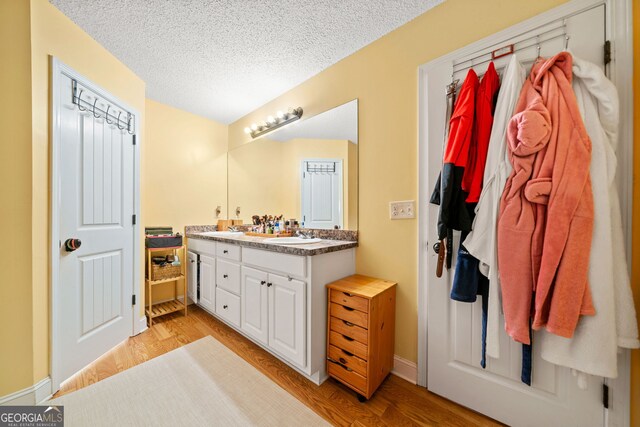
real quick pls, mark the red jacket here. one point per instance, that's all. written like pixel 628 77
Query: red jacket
pixel 485 102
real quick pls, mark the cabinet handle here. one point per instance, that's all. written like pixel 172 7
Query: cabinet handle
pixel 340 364
pixel 347 294
pixel 347 352
pixel 347 323
pixel 269 285
pixel 347 338
pixel 192 261
pixel 348 308
pixel 225 306
pixel 225 251
pixel 225 275
pixel 343 360
pixel 263 282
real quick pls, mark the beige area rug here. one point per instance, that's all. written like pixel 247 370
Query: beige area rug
pixel 201 384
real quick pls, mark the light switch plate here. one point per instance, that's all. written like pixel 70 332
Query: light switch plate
pixel 405 209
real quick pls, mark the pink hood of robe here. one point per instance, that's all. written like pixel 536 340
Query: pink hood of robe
pixel 546 211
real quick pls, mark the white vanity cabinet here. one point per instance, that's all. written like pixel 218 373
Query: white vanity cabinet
pixel 192 266
pixel 273 312
pixel 278 300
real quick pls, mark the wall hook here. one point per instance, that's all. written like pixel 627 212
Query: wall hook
pixel 106 115
pixel 118 122
pixel 80 101
pixel 97 116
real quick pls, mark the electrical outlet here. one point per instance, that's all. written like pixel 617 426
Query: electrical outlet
pixel 402 210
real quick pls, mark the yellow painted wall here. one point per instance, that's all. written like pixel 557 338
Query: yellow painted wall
pixel 16 336
pixel 53 34
pixel 635 279
pixel 383 76
pixel 185 171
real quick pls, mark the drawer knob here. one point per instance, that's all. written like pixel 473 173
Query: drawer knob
pixel 225 251
pixel 347 294
pixel 347 338
pixel 343 360
pixel 347 323
pixel 269 285
pixel 225 276
pixel 263 282
pixel 225 306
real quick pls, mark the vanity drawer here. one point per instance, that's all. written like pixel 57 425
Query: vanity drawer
pixel 348 376
pixel 228 276
pixel 227 251
pixel 293 265
pixel 349 300
pixel 346 343
pixel 349 329
pixel 350 315
pixel 202 246
pixel 348 359
pixel 228 306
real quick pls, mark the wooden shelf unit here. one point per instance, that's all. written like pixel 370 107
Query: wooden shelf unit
pixel 361 332
pixel 157 309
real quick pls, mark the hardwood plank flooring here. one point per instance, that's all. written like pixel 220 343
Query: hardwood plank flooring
pixel 396 403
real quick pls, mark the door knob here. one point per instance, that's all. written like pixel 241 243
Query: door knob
pixel 71 245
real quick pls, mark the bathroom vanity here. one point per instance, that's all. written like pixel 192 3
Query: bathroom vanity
pixel 274 294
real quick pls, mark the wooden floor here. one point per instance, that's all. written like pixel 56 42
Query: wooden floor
pixel 396 403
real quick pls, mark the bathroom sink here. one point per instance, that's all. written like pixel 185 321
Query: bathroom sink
pixel 222 233
pixel 291 240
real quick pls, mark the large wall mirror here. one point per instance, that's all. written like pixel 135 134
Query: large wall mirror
pixel 307 171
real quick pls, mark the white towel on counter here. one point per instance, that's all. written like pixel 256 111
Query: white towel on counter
pixel 593 348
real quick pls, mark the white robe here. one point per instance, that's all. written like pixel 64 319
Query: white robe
pixel 482 241
pixel 593 348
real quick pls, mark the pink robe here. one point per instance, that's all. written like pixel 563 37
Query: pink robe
pixel 546 210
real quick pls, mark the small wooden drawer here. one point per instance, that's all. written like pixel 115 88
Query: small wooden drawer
pixel 349 300
pixel 349 344
pixel 348 376
pixel 349 360
pixel 228 276
pixel 350 314
pixel 349 329
pixel 227 251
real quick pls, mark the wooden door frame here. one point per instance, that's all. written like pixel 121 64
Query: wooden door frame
pixel 57 69
pixel 618 29
pixel 342 203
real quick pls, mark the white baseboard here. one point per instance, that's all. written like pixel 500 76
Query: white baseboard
pixel 405 369
pixel 35 394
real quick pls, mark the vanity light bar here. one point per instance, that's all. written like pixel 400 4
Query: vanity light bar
pixel 273 123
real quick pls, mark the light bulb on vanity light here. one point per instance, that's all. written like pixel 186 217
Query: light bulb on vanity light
pixel 280 114
pixel 271 120
pixel 254 127
pixel 247 130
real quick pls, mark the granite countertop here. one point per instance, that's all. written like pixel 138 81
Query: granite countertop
pixel 309 249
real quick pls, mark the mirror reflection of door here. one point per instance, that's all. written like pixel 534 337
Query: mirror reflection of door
pixel 321 197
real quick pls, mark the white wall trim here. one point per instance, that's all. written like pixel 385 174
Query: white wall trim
pixel 405 369
pixel 57 67
pixel 619 31
pixel 32 395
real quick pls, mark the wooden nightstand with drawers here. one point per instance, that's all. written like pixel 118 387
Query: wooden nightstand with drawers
pixel 361 332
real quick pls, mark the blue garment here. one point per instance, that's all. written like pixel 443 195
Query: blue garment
pixel 525 375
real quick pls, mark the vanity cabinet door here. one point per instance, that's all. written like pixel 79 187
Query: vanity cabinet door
pixel 287 314
pixel 208 283
pixel 192 276
pixel 254 304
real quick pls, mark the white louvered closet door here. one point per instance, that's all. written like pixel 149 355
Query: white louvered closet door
pixel 96 203
pixel 454 328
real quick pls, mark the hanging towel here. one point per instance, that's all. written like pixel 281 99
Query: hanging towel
pixel 593 348
pixel 546 210
pixel 482 240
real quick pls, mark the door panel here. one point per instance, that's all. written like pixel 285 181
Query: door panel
pixel 287 326
pixel 208 283
pixel 454 328
pixel 95 282
pixel 254 303
pixel 192 286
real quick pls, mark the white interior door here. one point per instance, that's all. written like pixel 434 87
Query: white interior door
pixel 454 328
pixel 94 284
pixel 322 204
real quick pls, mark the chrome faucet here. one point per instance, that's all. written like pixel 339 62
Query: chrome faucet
pixel 305 234
pixel 233 228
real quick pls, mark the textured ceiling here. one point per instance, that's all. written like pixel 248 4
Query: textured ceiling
pixel 224 58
